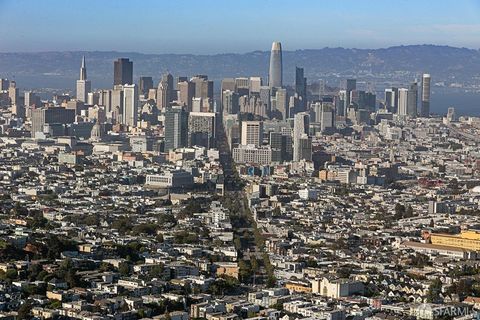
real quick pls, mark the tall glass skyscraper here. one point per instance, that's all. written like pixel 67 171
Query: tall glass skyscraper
pixel 275 76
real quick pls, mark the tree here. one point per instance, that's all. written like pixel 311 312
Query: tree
pixel 433 294
pixel 24 312
pixel 124 269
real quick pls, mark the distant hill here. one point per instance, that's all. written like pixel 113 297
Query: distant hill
pixel 401 63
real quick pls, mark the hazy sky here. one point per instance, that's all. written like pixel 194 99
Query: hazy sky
pixel 218 26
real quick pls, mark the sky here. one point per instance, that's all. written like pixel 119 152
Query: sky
pixel 226 26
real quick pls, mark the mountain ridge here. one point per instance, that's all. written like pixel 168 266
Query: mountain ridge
pixel 59 69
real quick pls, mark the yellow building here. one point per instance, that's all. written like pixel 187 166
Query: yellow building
pixel 298 287
pixel 467 239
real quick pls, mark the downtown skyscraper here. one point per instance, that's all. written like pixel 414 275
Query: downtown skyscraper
pixel 425 107
pixel 275 75
pixel 83 85
pixel 122 71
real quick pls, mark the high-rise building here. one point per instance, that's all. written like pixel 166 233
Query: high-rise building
pixel 144 85
pixel 451 115
pixel 117 103
pixel 201 129
pixel 324 114
pixel 255 84
pixel 283 143
pixel 350 85
pixel 303 148
pixel 230 102
pixel 93 98
pixel 57 115
pixel 130 105
pixel 31 99
pixel 281 103
pixel 204 90
pixel 122 71
pixel 301 126
pixel 425 109
pixel 265 98
pixel 275 75
pixel 252 133
pixel 412 100
pixel 4 84
pixel 165 91
pixel 390 100
pixel 301 87
pixel 402 103
pixel 13 92
pixel 105 99
pixel 242 86
pixel 176 128
pixel 203 87
pixel 186 92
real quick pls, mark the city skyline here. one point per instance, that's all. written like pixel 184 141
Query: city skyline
pixel 350 24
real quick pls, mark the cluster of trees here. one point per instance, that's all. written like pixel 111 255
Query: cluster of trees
pixel 402 212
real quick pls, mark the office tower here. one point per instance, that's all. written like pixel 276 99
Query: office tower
pixel 255 84
pixel 425 109
pixel 4 84
pixel 324 115
pixel 451 115
pixel 130 105
pixel 201 129
pixel 197 104
pixel 176 123
pixel 412 100
pixel 165 91
pixel 178 80
pixel 281 103
pixel 341 103
pixel 303 148
pixel 92 98
pixel 117 103
pixel 144 85
pixel 186 92
pixel 76 105
pixel 363 100
pixel 252 133
pixel 13 92
pixel 31 99
pixel 301 125
pixel 390 100
pixel 168 78
pixel 321 88
pixel 402 102
pixel 204 90
pixel 105 99
pixel 230 102
pixel 275 75
pixel 265 98
pixel 242 86
pixel 203 87
pixel 122 71
pixel 301 88
pixel 282 142
pixel 152 94
pixel 228 84
pixel 350 85
pixel 18 110
pixel 57 115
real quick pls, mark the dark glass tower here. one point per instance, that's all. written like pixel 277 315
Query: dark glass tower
pixel 122 71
